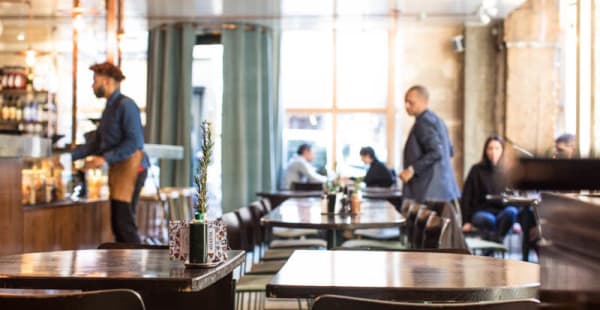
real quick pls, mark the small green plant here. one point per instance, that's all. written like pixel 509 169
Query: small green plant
pixel 202 175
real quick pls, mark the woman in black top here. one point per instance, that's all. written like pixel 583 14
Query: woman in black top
pixel 487 178
pixel 378 174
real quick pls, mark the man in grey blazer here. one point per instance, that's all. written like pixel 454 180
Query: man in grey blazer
pixel 428 176
pixel 427 173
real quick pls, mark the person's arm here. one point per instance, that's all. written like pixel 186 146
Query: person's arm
pixel 429 140
pixel 89 148
pixel 133 136
pixel 311 173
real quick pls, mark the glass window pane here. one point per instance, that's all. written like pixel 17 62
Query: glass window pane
pixel 314 129
pixel 354 131
pixel 306 69
pixel 362 69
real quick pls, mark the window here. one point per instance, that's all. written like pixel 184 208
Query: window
pixel 336 95
pixel 207 87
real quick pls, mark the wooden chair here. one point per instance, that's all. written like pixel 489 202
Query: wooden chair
pixel 120 299
pixel 410 222
pixel 252 285
pixel 307 186
pixel 333 302
pixel 434 230
pixel 420 222
pixel 131 246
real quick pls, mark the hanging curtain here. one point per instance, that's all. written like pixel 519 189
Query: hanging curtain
pixel 168 117
pixel 251 114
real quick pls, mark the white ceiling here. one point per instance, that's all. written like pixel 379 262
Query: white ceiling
pixel 162 9
pixel 52 18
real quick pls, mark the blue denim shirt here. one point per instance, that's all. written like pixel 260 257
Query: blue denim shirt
pixel 119 133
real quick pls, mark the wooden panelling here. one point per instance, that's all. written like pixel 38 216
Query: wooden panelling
pixel 11 210
pixel 570 251
pixel 79 225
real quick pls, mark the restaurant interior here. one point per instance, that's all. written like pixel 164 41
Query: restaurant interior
pixel 299 154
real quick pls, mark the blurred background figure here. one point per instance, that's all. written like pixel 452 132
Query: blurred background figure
pixel 487 177
pixel 378 175
pixel 565 146
pixel 300 170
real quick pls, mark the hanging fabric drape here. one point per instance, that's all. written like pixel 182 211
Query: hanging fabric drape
pixel 169 90
pixel 251 115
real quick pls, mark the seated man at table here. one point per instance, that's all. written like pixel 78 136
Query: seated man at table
pixel 378 174
pixel 300 170
pixel 487 177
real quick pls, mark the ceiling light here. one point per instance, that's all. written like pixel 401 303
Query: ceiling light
pixel 78 21
pixel 21 36
pixel 30 57
pixel 484 18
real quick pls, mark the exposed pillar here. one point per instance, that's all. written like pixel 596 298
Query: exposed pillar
pixel 533 81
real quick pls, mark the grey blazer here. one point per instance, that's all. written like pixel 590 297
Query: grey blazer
pixel 428 150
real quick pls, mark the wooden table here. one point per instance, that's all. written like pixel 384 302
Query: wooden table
pixel 163 284
pixel 306 213
pixel 404 276
pixel 392 195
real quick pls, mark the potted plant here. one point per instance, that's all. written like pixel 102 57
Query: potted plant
pixel 199 226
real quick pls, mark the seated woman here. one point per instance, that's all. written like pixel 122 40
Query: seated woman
pixel 487 178
pixel 378 174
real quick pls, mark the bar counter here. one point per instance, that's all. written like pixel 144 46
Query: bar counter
pixel 66 225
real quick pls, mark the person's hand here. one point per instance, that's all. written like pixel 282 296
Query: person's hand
pixel 467 227
pixel 93 162
pixel 407 174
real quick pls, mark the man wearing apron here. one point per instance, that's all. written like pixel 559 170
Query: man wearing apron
pixel 119 141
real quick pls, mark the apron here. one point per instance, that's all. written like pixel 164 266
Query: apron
pixel 122 176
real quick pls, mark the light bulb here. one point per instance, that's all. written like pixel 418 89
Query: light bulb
pixel 30 56
pixel 78 22
pixel 21 36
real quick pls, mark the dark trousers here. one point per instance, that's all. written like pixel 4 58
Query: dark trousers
pixel 122 214
pixel 495 226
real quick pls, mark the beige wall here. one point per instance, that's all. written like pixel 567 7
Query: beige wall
pixel 532 84
pixel 425 56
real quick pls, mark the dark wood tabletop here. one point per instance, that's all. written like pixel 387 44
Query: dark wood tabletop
pixel 404 276
pixel 143 270
pixel 392 195
pixel 306 213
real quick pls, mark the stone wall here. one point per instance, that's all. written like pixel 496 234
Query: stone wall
pixel 482 107
pixel 425 56
pixel 532 82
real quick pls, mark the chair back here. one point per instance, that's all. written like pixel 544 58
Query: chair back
pixel 234 231
pixel 266 204
pixel 257 213
pixel 433 231
pixel 410 222
pixel 121 299
pixel 334 302
pixel 307 186
pixel 248 227
pixel 131 246
pixel 420 222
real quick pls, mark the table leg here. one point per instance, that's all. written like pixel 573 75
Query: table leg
pixel 218 296
pixel 526 226
pixel 331 239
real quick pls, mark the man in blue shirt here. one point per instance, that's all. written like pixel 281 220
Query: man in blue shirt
pixel 119 142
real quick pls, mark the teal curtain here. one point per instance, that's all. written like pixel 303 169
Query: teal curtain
pixel 168 117
pixel 251 114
